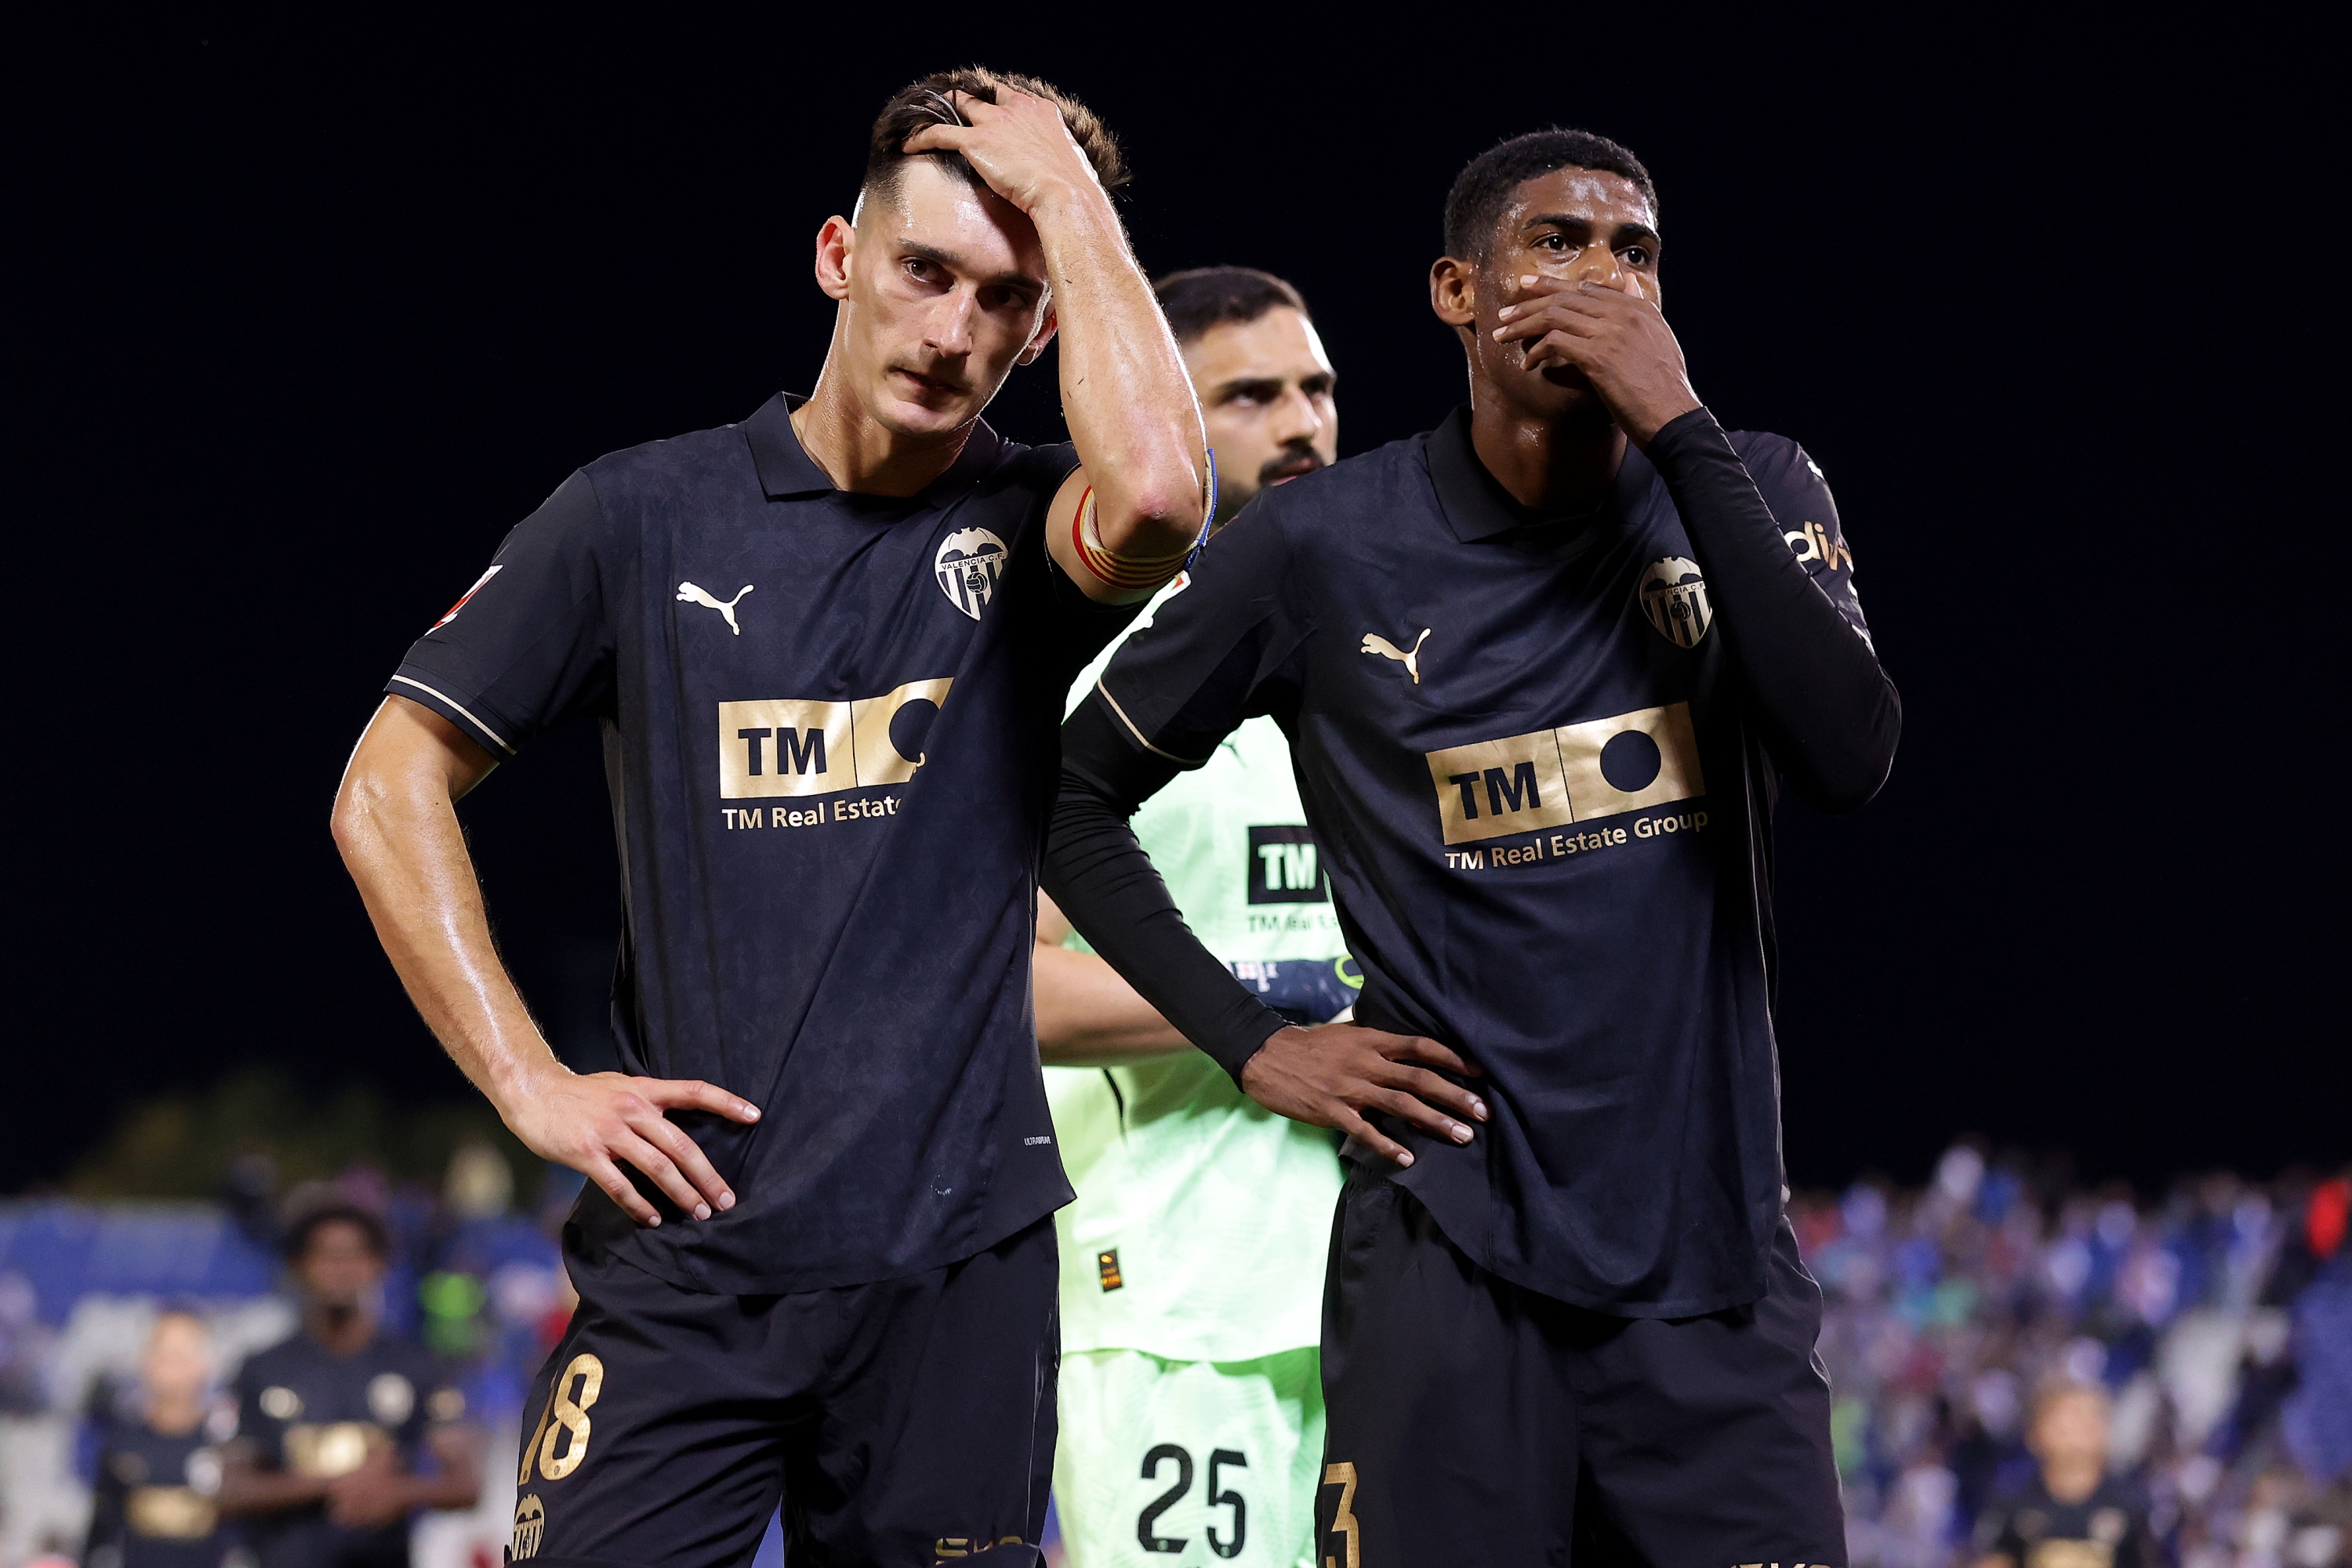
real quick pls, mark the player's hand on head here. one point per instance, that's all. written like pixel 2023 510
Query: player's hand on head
pixel 1619 340
pixel 1332 1074
pixel 1019 144
pixel 595 1122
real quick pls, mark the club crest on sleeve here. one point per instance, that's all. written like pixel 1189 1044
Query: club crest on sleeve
pixel 451 613
pixel 1674 597
pixel 969 563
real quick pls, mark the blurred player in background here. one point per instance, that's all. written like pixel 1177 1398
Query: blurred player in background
pixel 829 647
pixel 1193 1260
pixel 158 1466
pixel 344 1430
pixel 2073 1514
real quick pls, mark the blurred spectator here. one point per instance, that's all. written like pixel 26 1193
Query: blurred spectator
pixel 2074 1513
pixel 159 1467
pixel 342 1430
pixel 2211 1335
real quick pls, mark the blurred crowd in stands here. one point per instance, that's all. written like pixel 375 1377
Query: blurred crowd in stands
pixel 2212 1330
pixel 474 1276
pixel 2192 1355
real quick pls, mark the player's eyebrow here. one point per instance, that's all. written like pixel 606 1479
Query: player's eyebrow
pixel 1248 386
pixel 955 263
pixel 1623 234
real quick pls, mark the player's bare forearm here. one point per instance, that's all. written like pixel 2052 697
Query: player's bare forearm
pixel 1129 404
pixel 1087 1016
pixel 397 823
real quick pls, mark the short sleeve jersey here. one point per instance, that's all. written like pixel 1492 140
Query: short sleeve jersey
pixel 1203 1218
pixel 303 1408
pixel 1545 816
pixel 2108 1528
pixel 153 1504
pixel 830 737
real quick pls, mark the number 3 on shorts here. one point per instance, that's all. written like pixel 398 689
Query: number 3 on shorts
pixel 1343 1522
pixel 565 1417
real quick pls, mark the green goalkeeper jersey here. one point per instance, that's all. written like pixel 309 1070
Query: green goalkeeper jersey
pixel 1203 1218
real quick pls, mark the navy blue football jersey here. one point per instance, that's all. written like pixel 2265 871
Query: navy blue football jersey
pixel 303 1408
pixel 1543 799
pixel 830 728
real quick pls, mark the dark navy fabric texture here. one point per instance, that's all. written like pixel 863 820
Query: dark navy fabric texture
pixel 1475 1421
pixel 830 732
pixel 1542 787
pixel 910 1420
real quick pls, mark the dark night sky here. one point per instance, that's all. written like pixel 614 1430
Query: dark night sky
pixel 309 322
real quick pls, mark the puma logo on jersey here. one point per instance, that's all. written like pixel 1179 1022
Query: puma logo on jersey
pixel 1375 642
pixel 687 594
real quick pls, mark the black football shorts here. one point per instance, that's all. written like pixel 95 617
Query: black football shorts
pixel 907 1422
pixel 1471 1420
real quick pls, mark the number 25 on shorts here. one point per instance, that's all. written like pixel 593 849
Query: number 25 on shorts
pixel 1221 1495
pixel 560 1441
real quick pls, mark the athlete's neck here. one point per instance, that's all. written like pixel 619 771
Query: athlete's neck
pixel 2070 1480
pixel 1548 465
pixel 342 1330
pixel 174 1416
pixel 858 455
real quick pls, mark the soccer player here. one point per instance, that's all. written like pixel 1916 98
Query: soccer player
pixel 1193 1260
pixel 2074 1514
pixel 159 1467
pixel 333 1424
pixel 829 649
pixel 1543 671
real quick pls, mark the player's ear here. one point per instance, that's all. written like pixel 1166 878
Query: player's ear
pixel 1049 321
pixel 835 244
pixel 1454 291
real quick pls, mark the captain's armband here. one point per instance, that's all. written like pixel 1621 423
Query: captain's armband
pixel 1135 573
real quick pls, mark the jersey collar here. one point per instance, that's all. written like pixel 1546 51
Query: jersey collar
pixel 786 470
pixel 1474 500
pixel 1466 493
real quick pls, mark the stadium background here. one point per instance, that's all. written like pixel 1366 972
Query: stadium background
pixel 309 318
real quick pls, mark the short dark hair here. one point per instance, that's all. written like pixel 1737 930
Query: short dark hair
pixel 925 102
pixel 1207 297
pixel 305 1223
pixel 1483 189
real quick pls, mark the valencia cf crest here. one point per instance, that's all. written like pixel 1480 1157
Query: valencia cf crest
pixel 968 562
pixel 529 1529
pixel 1673 596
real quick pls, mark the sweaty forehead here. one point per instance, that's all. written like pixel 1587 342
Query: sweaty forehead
pixel 986 233
pixel 1279 345
pixel 1595 195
